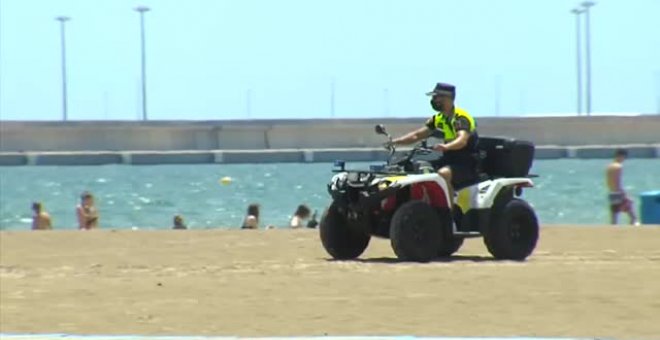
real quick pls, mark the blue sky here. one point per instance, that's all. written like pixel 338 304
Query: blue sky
pixel 205 56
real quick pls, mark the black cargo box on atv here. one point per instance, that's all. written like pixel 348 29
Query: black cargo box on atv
pixel 505 156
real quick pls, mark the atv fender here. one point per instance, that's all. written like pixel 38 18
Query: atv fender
pixel 488 191
pixel 423 183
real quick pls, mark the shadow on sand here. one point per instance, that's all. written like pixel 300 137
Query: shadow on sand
pixel 455 258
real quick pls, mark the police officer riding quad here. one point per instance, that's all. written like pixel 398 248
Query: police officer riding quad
pixel 406 201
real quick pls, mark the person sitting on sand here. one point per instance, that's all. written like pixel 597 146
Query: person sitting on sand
pixel 313 222
pixel 298 220
pixel 88 215
pixel 179 223
pixel 251 220
pixel 41 219
pixel 619 200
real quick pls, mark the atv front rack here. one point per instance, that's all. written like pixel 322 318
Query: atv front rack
pixel 380 169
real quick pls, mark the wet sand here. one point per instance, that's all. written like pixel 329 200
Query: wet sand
pixel 580 282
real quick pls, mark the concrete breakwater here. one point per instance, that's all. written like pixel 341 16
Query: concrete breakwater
pixel 298 140
pixel 24 136
pixel 278 155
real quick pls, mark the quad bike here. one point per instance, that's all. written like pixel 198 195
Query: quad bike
pixel 406 201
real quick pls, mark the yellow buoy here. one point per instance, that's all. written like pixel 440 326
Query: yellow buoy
pixel 225 180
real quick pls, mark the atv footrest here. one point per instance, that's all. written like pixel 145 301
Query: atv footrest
pixel 467 233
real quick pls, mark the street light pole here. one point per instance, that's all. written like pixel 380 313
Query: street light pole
pixel 248 103
pixel 386 102
pixel 142 10
pixel 657 90
pixel 62 20
pixel 332 98
pixel 587 5
pixel 578 52
pixel 498 94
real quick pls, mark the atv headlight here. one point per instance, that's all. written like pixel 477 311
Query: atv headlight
pixel 337 181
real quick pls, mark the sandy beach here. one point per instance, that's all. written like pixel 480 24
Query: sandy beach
pixel 580 282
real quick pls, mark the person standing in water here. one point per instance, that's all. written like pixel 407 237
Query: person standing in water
pixel 88 215
pixel 251 220
pixel 300 216
pixel 179 223
pixel 41 219
pixel 619 200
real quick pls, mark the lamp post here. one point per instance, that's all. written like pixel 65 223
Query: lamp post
pixel 498 94
pixel 332 98
pixel 578 52
pixel 587 5
pixel 62 20
pixel 142 10
pixel 248 103
pixel 657 90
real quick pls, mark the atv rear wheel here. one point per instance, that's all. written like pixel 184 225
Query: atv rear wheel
pixel 513 232
pixel 338 238
pixel 416 231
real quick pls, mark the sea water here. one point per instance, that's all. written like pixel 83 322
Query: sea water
pixel 567 191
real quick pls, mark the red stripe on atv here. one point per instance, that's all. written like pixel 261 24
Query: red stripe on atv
pixel 429 192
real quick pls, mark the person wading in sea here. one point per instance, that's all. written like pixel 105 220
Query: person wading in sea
pixel 41 219
pixel 88 215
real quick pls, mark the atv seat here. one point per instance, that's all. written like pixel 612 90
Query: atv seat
pixel 498 157
pixel 479 174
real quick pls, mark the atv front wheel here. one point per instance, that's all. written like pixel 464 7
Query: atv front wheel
pixel 416 231
pixel 338 238
pixel 513 232
pixel 449 246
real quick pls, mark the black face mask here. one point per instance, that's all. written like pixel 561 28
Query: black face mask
pixel 436 105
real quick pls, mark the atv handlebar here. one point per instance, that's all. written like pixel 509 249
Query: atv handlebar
pixel 420 148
